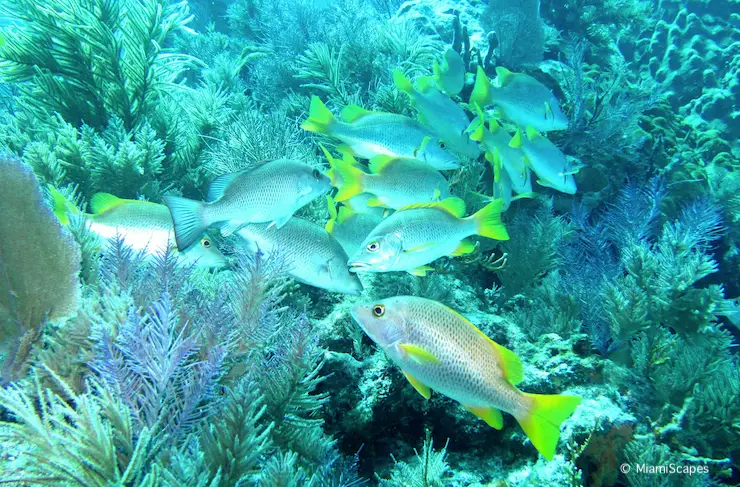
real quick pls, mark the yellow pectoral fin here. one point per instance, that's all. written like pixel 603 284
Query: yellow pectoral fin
pixel 418 354
pixel 422 147
pixel 491 416
pixel 420 271
pixel 421 388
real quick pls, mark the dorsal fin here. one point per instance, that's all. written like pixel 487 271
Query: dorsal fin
pixel 453 206
pixel 511 365
pixel 351 113
pixel 102 202
pixel 504 75
pixel 532 133
pixel 379 162
pixel 220 184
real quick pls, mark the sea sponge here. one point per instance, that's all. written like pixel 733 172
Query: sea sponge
pixel 39 263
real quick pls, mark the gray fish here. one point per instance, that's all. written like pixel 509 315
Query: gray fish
pixel 311 255
pixel 271 192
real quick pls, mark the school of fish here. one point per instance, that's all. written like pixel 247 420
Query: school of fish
pixel 393 213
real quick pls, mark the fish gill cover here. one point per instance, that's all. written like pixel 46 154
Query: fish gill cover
pixel 533 209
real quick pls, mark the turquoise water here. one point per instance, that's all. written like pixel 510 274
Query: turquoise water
pixel 346 243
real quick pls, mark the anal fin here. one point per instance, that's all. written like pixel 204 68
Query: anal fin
pixel 491 416
pixel 420 271
pixel 232 226
pixel 420 388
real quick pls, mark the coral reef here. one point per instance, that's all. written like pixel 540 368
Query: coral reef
pixel 124 370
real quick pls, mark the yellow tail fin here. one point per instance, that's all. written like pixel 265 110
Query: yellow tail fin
pixel 481 90
pixel 351 178
pixel 319 117
pixel 61 206
pixel 488 221
pixel 542 424
pixel 402 82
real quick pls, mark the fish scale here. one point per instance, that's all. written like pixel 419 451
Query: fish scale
pixel 471 372
pixel 310 254
pixel 438 349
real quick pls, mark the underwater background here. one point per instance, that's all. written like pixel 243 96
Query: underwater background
pixel 603 263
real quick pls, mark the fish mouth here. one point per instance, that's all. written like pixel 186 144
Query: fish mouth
pixel 359 266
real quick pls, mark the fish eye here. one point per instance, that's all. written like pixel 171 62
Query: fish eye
pixel 316 174
pixel 442 145
pixel 378 310
pixel 206 243
pixel 373 246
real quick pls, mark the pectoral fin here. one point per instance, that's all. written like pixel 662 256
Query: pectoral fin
pixel 491 416
pixel 420 388
pixel 418 354
pixel 422 147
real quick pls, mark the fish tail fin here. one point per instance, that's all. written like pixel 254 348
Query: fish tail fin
pixel 482 93
pixel 542 422
pixel 352 179
pixel 488 221
pixel 319 117
pixel 402 82
pixel 61 206
pixel 188 218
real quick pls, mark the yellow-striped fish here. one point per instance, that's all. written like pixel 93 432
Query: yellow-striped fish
pixel 437 348
pixel 142 225
pixel 414 236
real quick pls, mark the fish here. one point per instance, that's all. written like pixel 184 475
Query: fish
pixel 349 227
pixel 546 160
pixel 142 225
pixel 438 349
pixel 311 255
pixel 442 115
pixel 495 142
pixel 416 235
pixel 450 75
pixel 520 99
pixel 394 183
pixel 366 134
pixel 271 192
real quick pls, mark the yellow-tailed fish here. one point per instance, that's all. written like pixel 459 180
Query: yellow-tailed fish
pixel 395 183
pixel 271 192
pixel 438 112
pixel 414 236
pixel 310 254
pixel 361 204
pixel 349 227
pixel 520 99
pixel 438 349
pixel 450 75
pixel 142 225
pixel 367 134
pixel 546 160
pixel 495 142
